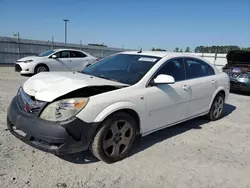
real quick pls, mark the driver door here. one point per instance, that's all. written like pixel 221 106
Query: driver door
pixel 62 62
pixel 168 103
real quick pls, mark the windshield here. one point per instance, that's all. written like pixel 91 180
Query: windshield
pixel 124 68
pixel 46 53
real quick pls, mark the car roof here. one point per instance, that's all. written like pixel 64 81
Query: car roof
pixel 60 49
pixel 162 54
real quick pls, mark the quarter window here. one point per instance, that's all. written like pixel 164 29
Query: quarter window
pixel 173 68
pixel 197 68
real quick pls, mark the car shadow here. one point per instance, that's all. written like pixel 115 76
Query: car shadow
pixel 27 75
pixel 161 135
pixel 84 157
pixel 143 143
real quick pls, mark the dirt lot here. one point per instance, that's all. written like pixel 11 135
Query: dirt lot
pixel 197 153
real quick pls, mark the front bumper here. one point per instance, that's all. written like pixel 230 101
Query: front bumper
pixel 239 86
pixel 49 136
pixel 24 68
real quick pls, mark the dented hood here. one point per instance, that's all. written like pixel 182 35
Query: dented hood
pixel 47 86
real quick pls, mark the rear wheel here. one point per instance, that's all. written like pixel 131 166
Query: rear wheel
pixel 41 68
pixel 115 138
pixel 217 107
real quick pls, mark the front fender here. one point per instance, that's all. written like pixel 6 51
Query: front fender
pixel 116 107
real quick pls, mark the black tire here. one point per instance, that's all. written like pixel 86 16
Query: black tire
pixel 98 144
pixel 41 68
pixel 212 115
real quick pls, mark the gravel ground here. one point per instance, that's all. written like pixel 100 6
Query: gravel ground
pixel 197 153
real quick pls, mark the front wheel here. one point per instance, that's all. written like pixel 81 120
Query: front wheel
pixel 115 138
pixel 41 68
pixel 217 107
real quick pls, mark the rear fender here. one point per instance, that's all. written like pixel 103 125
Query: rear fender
pixel 221 88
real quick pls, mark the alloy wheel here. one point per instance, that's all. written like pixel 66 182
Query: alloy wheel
pixel 41 69
pixel 117 138
pixel 218 106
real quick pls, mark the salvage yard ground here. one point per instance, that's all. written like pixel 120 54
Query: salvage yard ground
pixel 194 154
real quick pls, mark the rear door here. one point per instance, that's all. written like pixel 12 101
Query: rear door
pixel 202 83
pixel 78 60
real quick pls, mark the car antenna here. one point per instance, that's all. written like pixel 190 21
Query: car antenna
pixel 140 51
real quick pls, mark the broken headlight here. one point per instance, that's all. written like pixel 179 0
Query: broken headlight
pixel 63 109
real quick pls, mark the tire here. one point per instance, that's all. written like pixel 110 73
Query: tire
pixel 41 68
pixel 110 144
pixel 217 107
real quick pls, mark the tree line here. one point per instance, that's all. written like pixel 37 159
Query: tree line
pixel 206 49
pixel 217 49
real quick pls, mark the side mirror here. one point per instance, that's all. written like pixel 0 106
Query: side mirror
pixel 164 79
pixel 54 56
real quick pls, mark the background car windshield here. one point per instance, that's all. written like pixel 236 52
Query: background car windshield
pixel 124 68
pixel 46 53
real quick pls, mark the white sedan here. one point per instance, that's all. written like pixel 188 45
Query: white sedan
pixel 104 107
pixel 55 60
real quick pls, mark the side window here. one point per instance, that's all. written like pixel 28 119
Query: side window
pixel 76 54
pixel 197 68
pixel 173 68
pixel 63 54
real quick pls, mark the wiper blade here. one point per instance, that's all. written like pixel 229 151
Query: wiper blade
pixel 102 76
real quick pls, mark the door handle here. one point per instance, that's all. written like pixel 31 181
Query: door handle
pixel 185 87
pixel 213 82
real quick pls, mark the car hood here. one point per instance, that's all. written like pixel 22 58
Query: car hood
pixel 238 57
pixel 47 86
pixel 29 58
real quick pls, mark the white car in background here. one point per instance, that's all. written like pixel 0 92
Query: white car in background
pixel 105 106
pixel 55 60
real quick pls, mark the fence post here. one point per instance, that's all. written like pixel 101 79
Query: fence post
pixel 102 49
pixel 52 42
pixel 215 57
pixel 18 44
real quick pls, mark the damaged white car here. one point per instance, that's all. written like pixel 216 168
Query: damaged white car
pixel 105 106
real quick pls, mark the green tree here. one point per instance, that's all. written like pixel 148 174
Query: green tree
pixel 188 49
pixel 176 49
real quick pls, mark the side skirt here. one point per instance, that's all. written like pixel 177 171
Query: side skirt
pixel 175 123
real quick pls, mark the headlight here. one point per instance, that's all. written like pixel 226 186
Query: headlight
pixel 28 61
pixel 64 109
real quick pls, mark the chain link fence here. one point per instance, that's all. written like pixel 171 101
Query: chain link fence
pixel 12 49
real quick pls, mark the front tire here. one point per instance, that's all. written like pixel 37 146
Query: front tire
pixel 41 68
pixel 217 107
pixel 115 138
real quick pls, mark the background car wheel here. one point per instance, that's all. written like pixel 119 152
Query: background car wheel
pixel 41 68
pixel 217 107
pixel 114 139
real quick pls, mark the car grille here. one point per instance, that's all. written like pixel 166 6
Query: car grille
pixel 18 68
pixel 237 85
pixel 29 103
